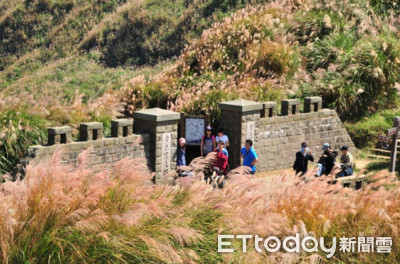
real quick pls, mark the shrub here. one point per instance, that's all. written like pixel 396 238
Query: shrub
pixel 20 129
pixel 354 75
pixel 365 132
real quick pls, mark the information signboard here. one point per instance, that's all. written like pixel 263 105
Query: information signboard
pixel 194 130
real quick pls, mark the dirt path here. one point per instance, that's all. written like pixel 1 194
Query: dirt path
pixel 363 163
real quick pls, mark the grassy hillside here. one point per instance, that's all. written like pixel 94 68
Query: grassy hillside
pixel 346 51
pixel 55 58
pixel 64 62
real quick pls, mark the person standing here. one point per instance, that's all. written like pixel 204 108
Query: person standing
pixel 249 156
pixel 222 137
pixel 181 153
pixel 302 158
pixel 346 162
pixel 207 142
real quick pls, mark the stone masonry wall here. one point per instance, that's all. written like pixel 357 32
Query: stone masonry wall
pixel 106 151
pixel 278 138
pixel 153 135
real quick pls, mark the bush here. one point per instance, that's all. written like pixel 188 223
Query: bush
pixel 20 130
pixel 354 75
pixel 365 132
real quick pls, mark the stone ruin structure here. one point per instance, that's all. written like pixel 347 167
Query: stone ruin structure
pixel 276 137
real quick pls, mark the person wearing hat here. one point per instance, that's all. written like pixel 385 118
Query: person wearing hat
pixel 181 153
pixel 207 142
pixel 346 162
pixel 302 158
pixel 326 146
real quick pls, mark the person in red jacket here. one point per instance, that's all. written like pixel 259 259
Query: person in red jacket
pixel 219 166
pixel 221 161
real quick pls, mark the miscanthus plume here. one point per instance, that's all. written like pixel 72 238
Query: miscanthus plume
pixel 65 214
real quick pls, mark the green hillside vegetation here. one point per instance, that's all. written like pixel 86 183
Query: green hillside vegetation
pixel 344 51
pixel 65 62
pixel 55 58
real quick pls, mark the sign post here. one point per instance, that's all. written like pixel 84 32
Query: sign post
pixel 393 154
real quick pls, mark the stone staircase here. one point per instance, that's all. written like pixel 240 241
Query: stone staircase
pixel 382 154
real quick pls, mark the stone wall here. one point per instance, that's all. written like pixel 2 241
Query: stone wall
pixel 278 137
pixel 106 151
pixel 153 136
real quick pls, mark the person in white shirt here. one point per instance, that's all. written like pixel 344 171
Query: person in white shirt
pixel 222 137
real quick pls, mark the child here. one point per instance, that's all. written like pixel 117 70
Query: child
pixel 220 165
pixel 221 161
pixel 207 142
pixel 181 159
pixel 221 148
pixel 222 137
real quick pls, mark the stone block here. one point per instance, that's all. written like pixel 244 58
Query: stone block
pixel 108 142
pixel 290 107
pixel 101 151
pixel 91 131
pixel 107 158
pixel 59 135
pixel 75 146
pixel 161 129
pixel 110 150
pixel 241 106
pixel 312 104
pixel 121 127
pixel 157 115
pixel 130 140
pixel 269 109
pixel 98 143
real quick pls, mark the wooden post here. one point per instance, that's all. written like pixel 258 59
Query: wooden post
pixel 393 154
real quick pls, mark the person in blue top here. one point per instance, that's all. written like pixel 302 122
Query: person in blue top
pixel 181 152
pixel 249 156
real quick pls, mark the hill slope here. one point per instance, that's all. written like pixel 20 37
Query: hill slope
pixel 64 62
pixel 55 58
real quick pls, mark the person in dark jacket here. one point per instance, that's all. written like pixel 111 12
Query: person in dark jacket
pixel 302 158
pixel 326 162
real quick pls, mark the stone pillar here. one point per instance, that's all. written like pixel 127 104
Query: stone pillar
pixel 269 109
pixel 162 126
pixel 59 135
pixel 91 131
pixel 312 104
pixel 290 107
pixel 240 119
pixel 121 127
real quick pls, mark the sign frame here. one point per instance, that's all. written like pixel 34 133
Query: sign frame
pixel 183 129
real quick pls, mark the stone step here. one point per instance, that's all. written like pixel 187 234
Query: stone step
pixel 376 156
pixel 382 152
